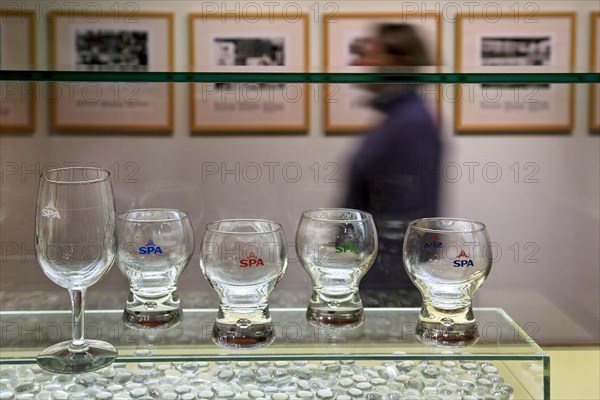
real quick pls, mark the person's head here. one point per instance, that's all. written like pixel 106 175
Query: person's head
pixel 400 46
pixel 394 45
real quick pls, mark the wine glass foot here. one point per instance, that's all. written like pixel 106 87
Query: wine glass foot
pixel 59 359
pixel 252 336
pixel 438 334
pixel 152 320
pixel 346 319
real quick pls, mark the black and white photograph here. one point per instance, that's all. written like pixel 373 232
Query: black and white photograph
pixel 98 42
pixel 511 46
pixel 267 45
pixel 125 49
pixel 249 51
pixel 350 46
pixel 515 51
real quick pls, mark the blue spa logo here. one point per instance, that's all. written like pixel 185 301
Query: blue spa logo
pixel 150 248
pixel 460 262
pixel 433 245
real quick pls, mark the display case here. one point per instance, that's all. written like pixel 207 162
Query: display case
pixel 378 360
pixel 276 173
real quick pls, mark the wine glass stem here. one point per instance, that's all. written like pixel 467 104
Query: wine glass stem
pixel 78 343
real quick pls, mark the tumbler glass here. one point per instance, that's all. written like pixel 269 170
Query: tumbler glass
pixel 448 259
pixel 243 259
pixel 155 246
pixel 336 247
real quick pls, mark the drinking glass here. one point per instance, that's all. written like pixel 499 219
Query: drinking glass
pixel 155 246
pixel 336 247
pixel 448 259
pixel 75 246
pixel 243 259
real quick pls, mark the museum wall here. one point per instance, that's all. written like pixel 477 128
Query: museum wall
pixel 537 192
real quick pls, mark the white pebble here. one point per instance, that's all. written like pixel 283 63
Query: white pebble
pixel 325 393
pixel 345 382
pixel 490 369
pixel 59 395
pixel 255 394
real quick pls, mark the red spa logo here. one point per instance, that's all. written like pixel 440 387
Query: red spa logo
pixel 251 261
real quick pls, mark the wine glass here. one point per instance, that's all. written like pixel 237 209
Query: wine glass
pixel 336 247
pixel 243 259
pixel 448 259
pixel 155 246
pixel 75 246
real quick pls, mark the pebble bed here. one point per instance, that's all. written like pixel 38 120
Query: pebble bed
pixel 262 380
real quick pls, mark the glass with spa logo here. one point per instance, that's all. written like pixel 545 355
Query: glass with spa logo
pixel 336 247
pixel 75 246
pixel 155 246
pixel 448 259
pixel 243 259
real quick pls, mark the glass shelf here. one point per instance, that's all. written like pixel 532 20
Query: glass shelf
pixel 386 336
pixel 477 75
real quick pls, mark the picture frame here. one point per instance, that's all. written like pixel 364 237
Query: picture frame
pixel 17 105
pixel 345 108
pixel 114 42
pixel 510 44
pixel 594 114
pixel 228 43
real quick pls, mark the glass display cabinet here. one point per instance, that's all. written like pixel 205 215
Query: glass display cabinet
pixel 192 122
pixel 378 360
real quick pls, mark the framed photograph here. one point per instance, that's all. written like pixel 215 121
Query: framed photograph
pixel 346 107
pixel 17 103
pixel 595 67
pixel 111 42
pixel 227 43
pixel 509 44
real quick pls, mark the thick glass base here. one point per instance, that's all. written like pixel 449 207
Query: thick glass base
pixel 340 310
pixel 59 358
pixel 243 328
pixel 152 312
pixel 438 334
pixel 338 318
pixel 152 320
pixel 447 328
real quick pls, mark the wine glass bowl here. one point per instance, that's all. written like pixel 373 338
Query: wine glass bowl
pixel 336 247
pixel 155 246
pixel 448 259
pixel 75 247
pixel 243 260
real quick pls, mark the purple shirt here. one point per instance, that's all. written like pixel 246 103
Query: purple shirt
pixel 394 176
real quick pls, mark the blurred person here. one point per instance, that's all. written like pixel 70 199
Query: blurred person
pixel 393 173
